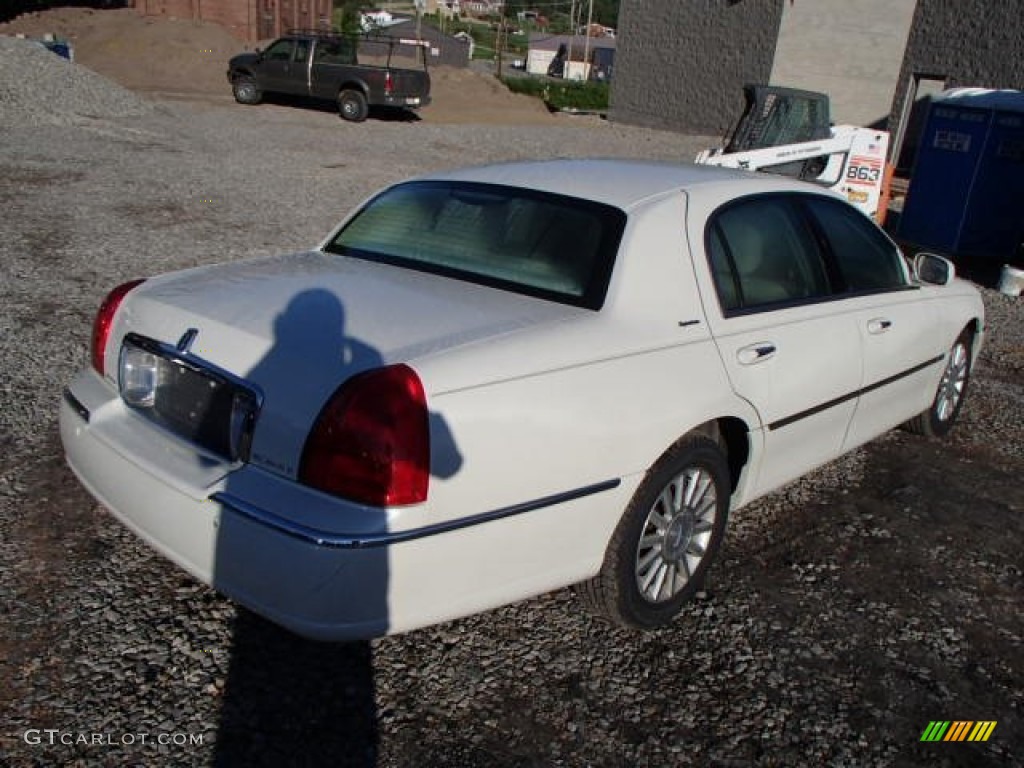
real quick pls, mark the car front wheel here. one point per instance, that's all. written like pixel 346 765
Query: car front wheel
pixel 246 91
pixel 939 418
pixel 671 530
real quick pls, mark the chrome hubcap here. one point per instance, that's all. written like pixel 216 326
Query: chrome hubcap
pixel 951 388
pixel 676 534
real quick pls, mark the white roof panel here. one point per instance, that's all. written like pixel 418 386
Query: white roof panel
pixel 986 98
pixel 622 183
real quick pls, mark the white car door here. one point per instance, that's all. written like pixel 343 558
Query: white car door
pixel 789 349
pixel 898 322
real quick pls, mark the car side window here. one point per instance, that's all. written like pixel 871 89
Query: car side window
pixel 867 260
pixel 762 252
pixel 301 52
pixel 280 51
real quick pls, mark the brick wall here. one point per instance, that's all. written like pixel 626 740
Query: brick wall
pixel 172 9
pixel 681 65
pixel 246 19
pixel 237 16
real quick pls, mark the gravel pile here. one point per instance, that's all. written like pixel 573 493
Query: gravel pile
pixel 847 611
pixel 38 87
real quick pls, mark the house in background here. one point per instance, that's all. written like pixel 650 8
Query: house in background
pixel 441 48
pixel 447 9
pixel 481 8
pixel 583 60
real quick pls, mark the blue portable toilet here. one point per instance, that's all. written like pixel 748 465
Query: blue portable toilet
pixel 966 194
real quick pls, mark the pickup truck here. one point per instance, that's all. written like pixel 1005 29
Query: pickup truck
pixel 326 67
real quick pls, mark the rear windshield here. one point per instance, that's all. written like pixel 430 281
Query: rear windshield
pixel 551 246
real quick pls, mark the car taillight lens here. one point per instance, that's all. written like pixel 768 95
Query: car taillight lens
pixel 389 84
pixel 104 320
pixel 371 442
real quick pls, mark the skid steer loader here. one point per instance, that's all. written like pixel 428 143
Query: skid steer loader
pixel 787 131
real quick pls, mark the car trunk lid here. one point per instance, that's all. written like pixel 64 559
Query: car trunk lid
pixel 296 327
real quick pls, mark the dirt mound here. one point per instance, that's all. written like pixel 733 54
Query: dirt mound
pixel 189 58
pixel 464 96
pixel 144 54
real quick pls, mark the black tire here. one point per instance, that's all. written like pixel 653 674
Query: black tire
pixel 938 419
pixel 246 91
pixel 691 536
pixel 352 105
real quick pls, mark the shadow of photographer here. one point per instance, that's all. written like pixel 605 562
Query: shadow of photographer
pixel 289 700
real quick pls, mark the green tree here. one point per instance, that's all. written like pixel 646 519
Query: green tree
pixel 346 15
pixel 514 7
pixel 606 12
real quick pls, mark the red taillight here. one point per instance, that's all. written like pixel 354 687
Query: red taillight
pixel 104 320
pixel 371 442
pixel 389 84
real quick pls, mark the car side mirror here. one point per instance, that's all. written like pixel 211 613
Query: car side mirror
pixel 933 269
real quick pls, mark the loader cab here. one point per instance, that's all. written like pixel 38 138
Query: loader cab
pixel 775 116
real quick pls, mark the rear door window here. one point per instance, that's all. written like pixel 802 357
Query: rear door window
pixel 764 254
pixel 338 51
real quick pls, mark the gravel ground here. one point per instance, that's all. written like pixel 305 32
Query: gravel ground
pixel 847 611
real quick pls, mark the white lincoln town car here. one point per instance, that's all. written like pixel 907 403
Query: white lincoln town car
pixel 489 383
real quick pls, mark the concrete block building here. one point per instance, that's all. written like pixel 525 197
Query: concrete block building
pixel 682 65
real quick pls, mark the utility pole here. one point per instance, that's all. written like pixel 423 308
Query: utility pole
pixel 573 29
pixel 421 6
pixel 586 42
pixel 499 42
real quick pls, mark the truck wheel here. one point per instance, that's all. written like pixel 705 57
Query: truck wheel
pixel 246 91
pixel 667 538
pixel 352 105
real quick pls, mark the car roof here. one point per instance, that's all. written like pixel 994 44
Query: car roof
pixel 623 183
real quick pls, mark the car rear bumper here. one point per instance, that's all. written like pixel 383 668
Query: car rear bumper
pixel 316 591
pixel 231 526
pixel 405 102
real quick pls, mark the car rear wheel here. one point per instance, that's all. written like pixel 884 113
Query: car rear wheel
pixel 352 105
pixel 667 538
pixel 939 418
pixel 246 91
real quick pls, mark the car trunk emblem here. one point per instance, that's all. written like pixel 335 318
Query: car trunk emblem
pixel 185 342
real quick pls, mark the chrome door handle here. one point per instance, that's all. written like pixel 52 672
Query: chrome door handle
pixel 879 325
pixel 756 353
